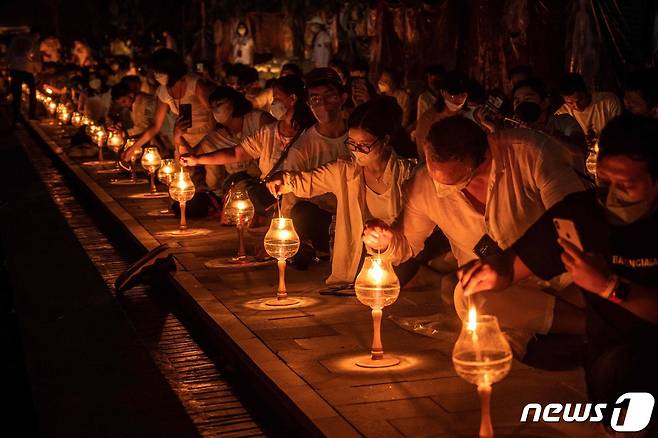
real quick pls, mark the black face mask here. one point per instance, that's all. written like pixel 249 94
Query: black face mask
pixel 528 112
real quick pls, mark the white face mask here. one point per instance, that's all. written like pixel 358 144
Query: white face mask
pixel 161 78
pixel 622 210
pixel 452 107
pixel 222 113
pixel 443 190
pixel 95 84
pixel 278 110
pixel 362 159
pixel 383 87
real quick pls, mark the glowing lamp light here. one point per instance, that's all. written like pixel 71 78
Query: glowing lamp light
pixel 151 161
pixel 281 243
pixel 239 211
pixel 182 190
pixel 166 171
pixel 52 108
pixel 76 119
pixel 100 136
pixel 115 141
pixel 482 356
pixel 377 286
pixel 63 113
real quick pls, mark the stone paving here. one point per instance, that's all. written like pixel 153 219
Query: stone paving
pixel 311 348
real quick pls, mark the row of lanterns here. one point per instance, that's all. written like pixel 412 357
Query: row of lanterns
pixel 481 354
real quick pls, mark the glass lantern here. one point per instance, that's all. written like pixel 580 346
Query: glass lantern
pixel 281 243
pixel 167 171
pixel 182 190
pixel 151 161
pixel 482 356
pixel 76 119
pixel 100 136
pixel 377 286
pixel 239 211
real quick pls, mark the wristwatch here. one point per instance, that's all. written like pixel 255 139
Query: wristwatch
pixel 621 291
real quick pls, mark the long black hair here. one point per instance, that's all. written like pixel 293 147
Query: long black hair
pixel 169 62
pixel 241 106
pixel 303 117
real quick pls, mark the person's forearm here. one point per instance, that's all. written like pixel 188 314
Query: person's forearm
pixel 146 137
pixel 219 157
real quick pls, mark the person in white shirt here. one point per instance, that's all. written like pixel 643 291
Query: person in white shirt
pixel 367 186
pixel 243 45
pixel 389 85
pixel 484 192
pixel 532 109
pixel 177 87
pixel 269 142
pixel 426 100
pixel 236 119
pixel 592 111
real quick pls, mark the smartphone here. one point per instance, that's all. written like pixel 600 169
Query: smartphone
pixel 566 229
pixel 186 112
pixel 199 67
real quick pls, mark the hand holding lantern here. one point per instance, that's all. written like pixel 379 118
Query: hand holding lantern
pixel 182 190
pixel 377 286
pixel 282 242
pixel 151 160
pixel 483 357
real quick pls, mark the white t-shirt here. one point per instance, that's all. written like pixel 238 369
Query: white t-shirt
pixel 266 145
pixel 313 150
pixel 604 106
pixel 377 205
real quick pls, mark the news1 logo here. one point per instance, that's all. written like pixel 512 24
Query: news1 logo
pixel 638 412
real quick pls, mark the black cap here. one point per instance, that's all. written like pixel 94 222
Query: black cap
pixel 323 76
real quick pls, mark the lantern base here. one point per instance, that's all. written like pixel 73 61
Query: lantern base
pixel 238 262
pixel 275 302
pixel 112 171
pixel 97 163
pixel 190 232
pixel 384 362
pixel 129 182
pixel 149 195
pixel 161 213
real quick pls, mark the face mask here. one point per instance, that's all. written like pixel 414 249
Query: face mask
pixel 443 190
pixel 162 79
pixel 528 112
pixel 222 113
pixel 362 159
pixel 278 110
pixel 95 84
pixel 242 31
pixel 383 87
pixel 622 210
pixel 452 107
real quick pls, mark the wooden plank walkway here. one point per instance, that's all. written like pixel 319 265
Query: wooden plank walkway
pixel 306 354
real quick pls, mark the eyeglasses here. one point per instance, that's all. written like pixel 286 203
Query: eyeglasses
pixel 317 100
pixel 360 147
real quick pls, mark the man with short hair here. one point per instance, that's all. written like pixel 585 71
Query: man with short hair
pixel 320 144
pixel 617 266
pixel 591 110
pixel 483 192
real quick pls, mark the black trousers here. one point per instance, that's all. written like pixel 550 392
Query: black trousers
pixel 613 370
pixel 18 78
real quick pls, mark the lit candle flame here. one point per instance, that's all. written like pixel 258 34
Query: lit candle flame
pixel 472 318
pixel 284 234
pixel 376 273
pixel 241 205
